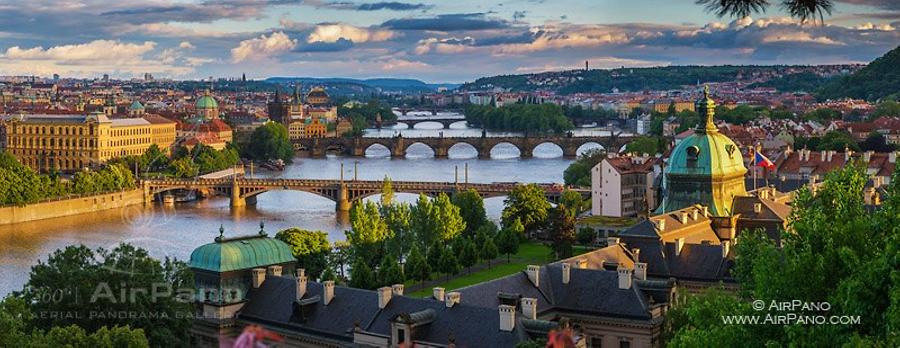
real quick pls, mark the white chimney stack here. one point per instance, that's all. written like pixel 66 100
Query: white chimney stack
pixel 679 243
pixel 529 308
pixel 452 299
pixel 695 214
pixel 661 224
pixel 610 241
pixel 757 208
pixel 328 290
pixel 640 270
pixel 636 252
pixel 507 317
pixel 534 274
pixel 868 194
pixel 301 283
pixel 438 294
pixel 892 157
pixel 274 270
pixel 726 248
pixel 397 289
pixel 566 272
pixel 684 217
pixel 258 277
pixel 384 296
pixel 624 277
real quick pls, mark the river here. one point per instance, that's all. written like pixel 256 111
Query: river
pixel 175 232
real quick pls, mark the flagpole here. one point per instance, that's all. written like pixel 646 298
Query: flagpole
pixel 753 165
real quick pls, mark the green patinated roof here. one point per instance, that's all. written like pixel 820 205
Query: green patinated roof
pixel 241 253
pixel 136 105
pixel 206 102
pixel 717 155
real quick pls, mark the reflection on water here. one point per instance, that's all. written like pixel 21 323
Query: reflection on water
pixel 175 232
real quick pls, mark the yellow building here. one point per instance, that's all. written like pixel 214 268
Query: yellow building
pixel 315 128
pixel 74 142
pixel 296 130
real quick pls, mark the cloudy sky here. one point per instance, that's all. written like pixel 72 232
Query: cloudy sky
pixel 436 41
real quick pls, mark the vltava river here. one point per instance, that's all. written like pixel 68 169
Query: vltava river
pixel 175 232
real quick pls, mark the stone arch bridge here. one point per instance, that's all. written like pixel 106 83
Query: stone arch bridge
pixel 243 191
pixel 357 146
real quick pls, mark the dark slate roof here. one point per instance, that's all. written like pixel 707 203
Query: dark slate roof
pixel 696 261
pixel 643 229
pixel 469 325
pixel 596 292
pixel 485 294
pixel 771 210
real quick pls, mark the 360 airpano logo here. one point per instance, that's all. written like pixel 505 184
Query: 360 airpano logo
pixel 793 312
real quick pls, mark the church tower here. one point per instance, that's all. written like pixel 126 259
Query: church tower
pixel 705 168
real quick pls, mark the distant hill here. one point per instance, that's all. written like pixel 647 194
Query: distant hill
pixel 799 82
pixel 622 79
pixel 879 79
pixel 347 86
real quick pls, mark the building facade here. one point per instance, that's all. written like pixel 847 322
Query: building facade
pixel 74 142
pixel 623 186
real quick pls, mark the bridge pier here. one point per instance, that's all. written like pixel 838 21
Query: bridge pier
pixel 484 152
pixel 526 152
pixel 236 199
pixel 441 152
pixel 343 201
pixel 148 197
pixel 570 151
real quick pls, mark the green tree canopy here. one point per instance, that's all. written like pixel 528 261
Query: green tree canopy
pixel 270 141
pixel 416 267
pixel 471 208
pixel 528 205
pixel 367 233
pixel 579 172
pixel 311 248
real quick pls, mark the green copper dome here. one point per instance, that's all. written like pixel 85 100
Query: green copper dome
pixel 206 102
pixel 136 105
pixel 705 168
pixel 241 253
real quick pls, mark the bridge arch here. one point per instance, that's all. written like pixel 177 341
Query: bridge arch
pixel 428 125
pixel 504 149
pixel 463 149
pixel 547 149
pixel 464 123
pixel 377 149
pixel 588 146
pixel 419 144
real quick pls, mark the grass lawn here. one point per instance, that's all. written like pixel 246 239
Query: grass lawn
pixel 530 253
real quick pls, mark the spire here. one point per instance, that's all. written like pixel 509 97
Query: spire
pixel 296 98
pixel 706 107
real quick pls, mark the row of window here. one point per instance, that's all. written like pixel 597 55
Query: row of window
pixel 55 130
pixel 53 142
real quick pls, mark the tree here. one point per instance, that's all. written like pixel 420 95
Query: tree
pixel 361 275
pixel 450 223
pixel 585 235
pixel 416 267
pixel 837 141
pixel 184 168
pixel 528 205
pixel 876 142
pixel 367 233
pixel 579 172
pixel 508 242
pixel 837 251
pixel 449 265
pixel 435 252
pixel 270 141
pixel 98 277
pixel 800 9
pixel 649 145
pixel 389 272
pixel 887 108
pixel 488 251
pixel 471 208
pixel 562 231
pixel 310 248
pixel 387 191
pixel 423 220
pixel 397 217
pixel 573 201
pixel 468 256
pixel 340 256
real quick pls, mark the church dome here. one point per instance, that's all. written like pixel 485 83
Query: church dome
pixel 136 105
pixel 206 102
pixel 248 252
pixel 705 168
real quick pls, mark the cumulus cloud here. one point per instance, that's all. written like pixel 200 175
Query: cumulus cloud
pixel 88 58
pixel 444 46
pixel 186 45
pixel 262 47
pixel 392 5
pixel 550 38
pixel 879 27
pixel 335 32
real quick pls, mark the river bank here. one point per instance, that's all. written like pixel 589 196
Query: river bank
pixel 69 206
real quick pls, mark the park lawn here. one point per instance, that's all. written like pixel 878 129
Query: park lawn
pixel 530 253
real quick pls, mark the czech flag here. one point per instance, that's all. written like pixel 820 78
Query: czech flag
pixel 762 161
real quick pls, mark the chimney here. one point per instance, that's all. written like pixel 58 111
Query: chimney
pixel 868 195
pixel 661 224
pixel 301 283
pixel 566 272
pixel 610 241
pixel 867 156
pixel 824 156
pixel 847 154
pixel 757 208
pixel 640 270
pixel 636 252
pixel 695 214
pixel 529 308
pixel 624 277
pixel 453 298
pixel 384 296
pixel 438 294
pixel 534 274
pixel 582 264
pixel 892 157
pixel 507 317
pixel 679 243
pixel 258 277
pixel 813 179
pixel 274 271
pixel 683 217
pixel 726 247
pixel 397 289
pixel 329 291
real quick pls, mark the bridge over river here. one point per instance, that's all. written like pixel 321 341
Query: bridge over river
pixel 357 146
pixel 244 190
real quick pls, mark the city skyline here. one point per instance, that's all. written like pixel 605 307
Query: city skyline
pixel 428 40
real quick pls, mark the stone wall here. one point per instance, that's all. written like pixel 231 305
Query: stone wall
pixel 70 206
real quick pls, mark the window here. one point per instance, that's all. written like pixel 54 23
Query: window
pixel 401 336
pixel 596 342
pixel 624 344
